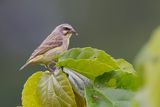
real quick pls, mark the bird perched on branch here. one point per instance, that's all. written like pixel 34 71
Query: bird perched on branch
pixel 56 43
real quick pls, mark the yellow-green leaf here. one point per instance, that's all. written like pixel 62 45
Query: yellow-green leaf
pixel 125 66
pixel 107 97
pixel 88 61
pixel 148 65
pixel 54 90
pixel 29 94
pixel 45 89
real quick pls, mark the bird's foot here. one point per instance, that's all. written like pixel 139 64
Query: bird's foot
pixel 51 67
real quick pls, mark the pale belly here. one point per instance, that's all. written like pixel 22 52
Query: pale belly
pixel 50 56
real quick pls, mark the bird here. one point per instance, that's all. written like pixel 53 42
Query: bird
pixel 55 44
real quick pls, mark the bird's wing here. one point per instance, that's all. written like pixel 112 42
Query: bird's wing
pixel 52 41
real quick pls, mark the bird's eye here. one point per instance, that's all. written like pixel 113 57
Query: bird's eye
pixel 66 28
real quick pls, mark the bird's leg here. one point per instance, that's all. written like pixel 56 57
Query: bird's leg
pixel 46 66
pixel 52 66
pixel 50 69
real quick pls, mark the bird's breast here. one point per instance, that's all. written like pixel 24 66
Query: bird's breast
pixel 52 53
pixel 65 43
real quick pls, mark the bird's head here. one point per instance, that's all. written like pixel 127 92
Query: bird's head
pixel 66 29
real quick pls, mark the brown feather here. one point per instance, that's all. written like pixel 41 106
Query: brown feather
pixel 52 41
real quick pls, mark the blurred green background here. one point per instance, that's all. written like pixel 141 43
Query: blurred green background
pixel 119 27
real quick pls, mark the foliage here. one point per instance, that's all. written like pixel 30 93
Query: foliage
pixel 54 90
pixel 148 65
pixel 92 78
pixel 29 95
pixel 43 89
pixel 107 97
pixel 88 61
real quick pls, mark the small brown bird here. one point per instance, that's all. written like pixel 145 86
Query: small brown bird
pixel 56 43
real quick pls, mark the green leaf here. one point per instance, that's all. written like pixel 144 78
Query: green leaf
pixel 94 63
pixel 29 94
pixel 88 61
pixel 127 80
pixel 96 99
pixel 108 97
pixel 152 82
pixel 125 66
pixel 118 79
pixel 124 78
pixel 147 64
pixel 54 90
pixel 150 94
pixel 127 77
pixel 44 89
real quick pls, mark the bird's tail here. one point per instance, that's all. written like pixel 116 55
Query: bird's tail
pixel 26 64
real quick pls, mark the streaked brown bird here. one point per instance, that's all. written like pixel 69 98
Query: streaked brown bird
pixel 56 43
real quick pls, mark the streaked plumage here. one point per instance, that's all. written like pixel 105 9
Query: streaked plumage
pixel 56 43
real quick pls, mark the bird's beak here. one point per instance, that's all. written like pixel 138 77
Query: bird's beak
pixel 74 31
